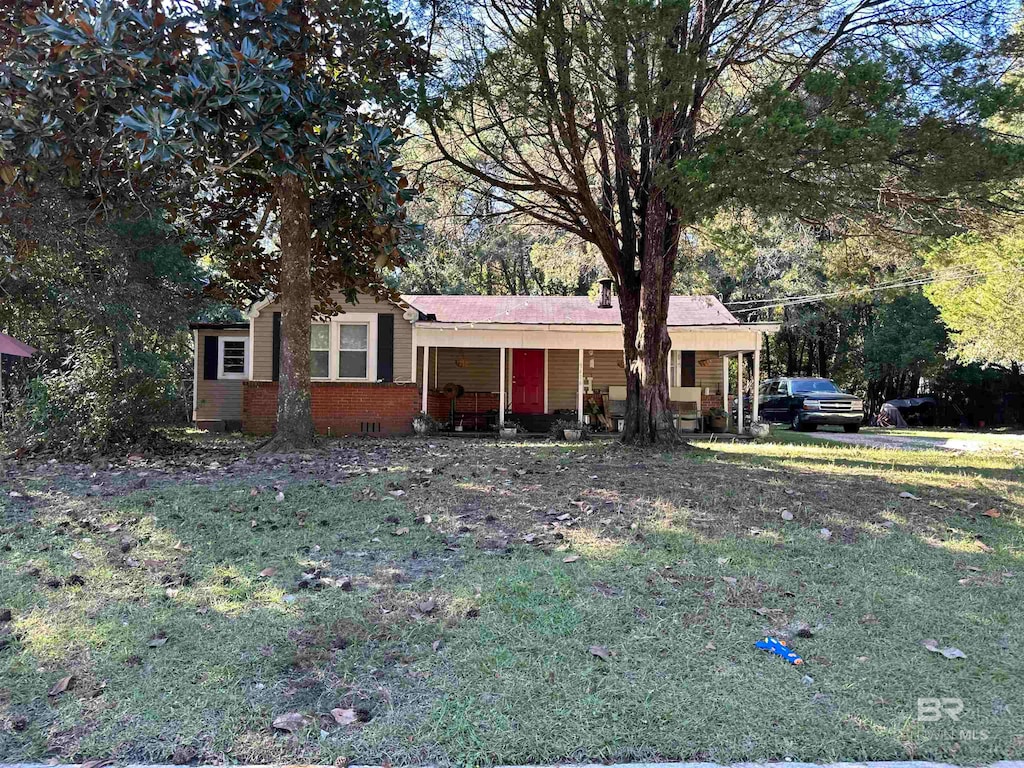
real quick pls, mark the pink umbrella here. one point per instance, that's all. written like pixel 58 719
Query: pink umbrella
pixel 11 346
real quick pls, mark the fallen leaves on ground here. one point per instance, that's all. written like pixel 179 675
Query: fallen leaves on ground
pixel 426 606
pixel 600 652
pixel 344 716
pixel 61 685
pixel 290 722
pixel 949 652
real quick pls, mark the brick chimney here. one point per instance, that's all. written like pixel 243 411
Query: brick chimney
pixel 604 300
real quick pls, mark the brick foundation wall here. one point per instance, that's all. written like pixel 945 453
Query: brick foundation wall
pixel 339 408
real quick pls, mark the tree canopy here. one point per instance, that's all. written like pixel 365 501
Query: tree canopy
pixel 239 110
pixel 629 123
pixel 981 298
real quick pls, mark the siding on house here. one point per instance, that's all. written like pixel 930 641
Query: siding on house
pixel 217 399
pixel 478 373
pixel 563 378
pixel 263 336
pixel 709 371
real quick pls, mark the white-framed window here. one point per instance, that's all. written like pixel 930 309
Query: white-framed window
pixel 320 351
pixel 233 360
pixel 353 350
pixel 345 349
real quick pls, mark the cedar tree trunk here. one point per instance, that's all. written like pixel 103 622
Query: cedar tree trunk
pixel 644 308
pixel 294 403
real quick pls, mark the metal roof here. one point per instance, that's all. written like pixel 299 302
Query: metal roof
pixel 560 310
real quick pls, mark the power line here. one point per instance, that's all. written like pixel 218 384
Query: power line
pixel 792 301
pixel 947 273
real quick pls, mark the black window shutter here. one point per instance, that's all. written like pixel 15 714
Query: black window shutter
pixel 211 350
pixel 385 347
pixel 277 346
pixel 689 368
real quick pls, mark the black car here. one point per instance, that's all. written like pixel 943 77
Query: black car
pixel 806 403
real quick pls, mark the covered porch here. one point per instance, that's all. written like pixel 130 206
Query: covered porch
pixel 474 378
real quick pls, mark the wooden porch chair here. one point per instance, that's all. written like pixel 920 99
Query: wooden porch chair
pixel 682 398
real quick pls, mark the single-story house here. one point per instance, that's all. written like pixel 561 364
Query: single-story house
pixel 471 362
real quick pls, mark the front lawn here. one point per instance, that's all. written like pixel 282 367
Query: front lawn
pixel 466 601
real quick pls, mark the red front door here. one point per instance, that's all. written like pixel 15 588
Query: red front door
pixel 527 381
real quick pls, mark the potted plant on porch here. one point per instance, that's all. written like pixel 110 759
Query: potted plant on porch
pixel 509 429
pixel 424 424
pixel 719 419
pixel 573 431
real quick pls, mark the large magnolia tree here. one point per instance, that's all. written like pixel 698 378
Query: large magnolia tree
pixel 629 122
pixel 239 113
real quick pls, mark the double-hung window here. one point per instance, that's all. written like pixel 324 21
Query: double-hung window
pixel 353 350
pixel 234 360
pixel 344 349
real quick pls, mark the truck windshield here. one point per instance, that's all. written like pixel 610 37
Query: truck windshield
pixel 813 385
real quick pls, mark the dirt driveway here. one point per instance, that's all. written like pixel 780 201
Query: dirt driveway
pixel 952 441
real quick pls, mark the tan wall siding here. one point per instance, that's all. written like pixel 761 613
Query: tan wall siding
pixel 709 371
pixel 263 336
pixel 563 378
pixel 217 399
pixel 263 345
pixel 606 367
pixel 478 374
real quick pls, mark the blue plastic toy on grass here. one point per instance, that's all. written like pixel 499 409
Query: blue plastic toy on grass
pixel 779 648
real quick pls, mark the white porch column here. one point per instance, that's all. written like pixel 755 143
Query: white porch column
pixel 725 391
pixel 739 393
pixel 579 391
pixel 501 397
pixel 755 385
pixel 415 356
pixel 545 381
pixel 426 376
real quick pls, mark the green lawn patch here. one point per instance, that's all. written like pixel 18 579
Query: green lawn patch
pixel 446 595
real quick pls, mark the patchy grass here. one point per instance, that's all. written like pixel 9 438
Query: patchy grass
pixel 424 584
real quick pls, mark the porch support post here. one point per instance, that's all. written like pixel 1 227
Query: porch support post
pixel 426 376
pixel 739 393
pixel 415 356
pixel 501 397
pixel 725 391
pixel 757 378
pixel 579 391
pixel 545 381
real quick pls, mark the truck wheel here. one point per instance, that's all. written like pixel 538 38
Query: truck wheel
pixel 799 426
pixel 852 428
